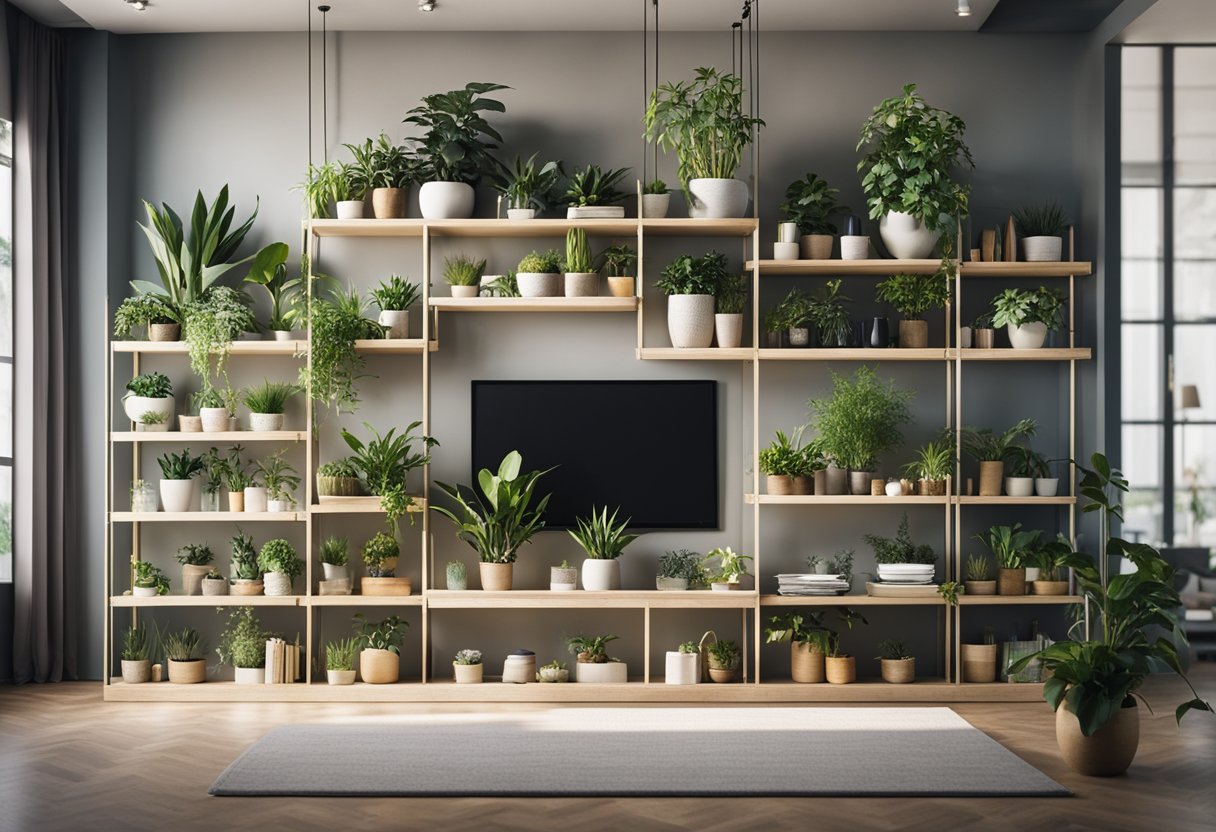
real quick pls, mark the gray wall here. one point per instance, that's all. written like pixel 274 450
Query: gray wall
pixel 177 113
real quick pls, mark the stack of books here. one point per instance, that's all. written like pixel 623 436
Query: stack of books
pixel 809 584
pixel 282 662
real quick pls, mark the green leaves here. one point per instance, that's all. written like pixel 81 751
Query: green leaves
pixel 592 186
pixel 810 202
pixel 601 537
pixel 1015 307
pixel 385 461
pixel 914 294
pixel 454 147
pixel 688 275
pixel 500 521
pixel 862 418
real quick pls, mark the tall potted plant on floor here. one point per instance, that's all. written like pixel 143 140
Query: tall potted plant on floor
pixel 604 540
pixel 860 422
pixel 690 284
pixel 990 449
pixel 704 123
pixel 913 295
pixel 811 203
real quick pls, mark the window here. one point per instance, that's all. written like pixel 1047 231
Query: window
pixel 6 351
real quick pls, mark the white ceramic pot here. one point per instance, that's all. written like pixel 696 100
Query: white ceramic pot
pixel 215 419
pixel 785 251
pixel 177 495
pixel 855 247
pixel 333 572
pixel 465 291
pixel 255 499
pixel 1019 486
pixel 137 406
pixel 521 213
pixel 1042 249
pixel 284 335
pixel 582 284
pixel 729 329
pixel 397 321
pixel 277 506
pixel 690 320
pixel 608 673
pixel 143 591
pixel 265 422
pixel 655 206
pixel 1046 486
pixel 1032 574
pixel 446 200
pixel 350 209
pixel 189 424
pixel 601 575
pixel 539 285
pixel 712 199
pixel 964 337
pixel 142 428
pixel 136 672
pixel 906 237
pixel 1027 336
pixel 276 583
pixel 682 668
pixel 340 677
pixel 250 675
pixel 787 232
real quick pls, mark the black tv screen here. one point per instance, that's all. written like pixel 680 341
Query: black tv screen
pixel 650 447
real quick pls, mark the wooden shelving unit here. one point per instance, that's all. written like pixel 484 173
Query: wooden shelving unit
pixel 534 304
pixel 842 268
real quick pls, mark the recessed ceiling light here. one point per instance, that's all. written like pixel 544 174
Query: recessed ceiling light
pixel 964 8
pixel 138 5
pixel 426 5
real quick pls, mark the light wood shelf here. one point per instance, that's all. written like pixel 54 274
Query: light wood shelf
pixel 687 227
pixel 581 599
pixel 1017 600
pixel 850 601
pixel 1015 501
pixel 1044 354
pixel 364 506
pixel 414 600
pixel 207 601
pixel 490 228
pixel 207 517
pixel 842 500
pixel 709 354
pixel 844 354
pixel 394 346
pixel 603 304
pixel 625 227
pixel 290 348
pixel 1024 269
pixel 843 268
pixel 213 438
pixel 368 228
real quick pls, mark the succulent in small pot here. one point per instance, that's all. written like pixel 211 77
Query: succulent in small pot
pixel 979 580
pixel 457 576
pixel 897 664
pixel 811 203
pixel 592 193
pixel 582 278
pixel 690 284
pixel 563 578
pixel 136 666
pixel 147 581
pixel 195 560
pixel 177 479
pixel 246 575
pixel 1041 229
pixel 617 262
pixel 680 570
pixel 149 393
pixel 527 187
pixel 913 295
pixel 467 667
pixel 594 664
pixel 1011 547
pixel 395 296
pixel 990 450
pixel 380 658
pixel 155 314
pixel 656 199
pixel 243 645
pixel 463 275
pixel 724 659
pixel 340 661
pixel 280 566
pixel 184 650
pixel 603 539
pixel 726 570
pixel 1028 315
pixel 539 274
pixel 266 403
pixel 335 551
pixel 214 583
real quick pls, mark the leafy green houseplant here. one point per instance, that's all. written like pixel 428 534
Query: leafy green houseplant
pixel 788 466
pixel 703 122
pixel 270 272
pixel 381 643
pixel 386 461
pixel 723 658
pixel 336 323
pixel 243 645
pixel 160 319
pixel 691 284
pixel 1028 315
pixel 539 274
pixel 322 186
pixel 860 422
pixel 528 186
pixel 934 464
pixel 990 450
pixel 1093 682
pixel 246 575
pixel 729 568
pixel 380 556
pixel 279 479
pixel 594 664
pixel 811 203
pixel 149 393
pixel 913 295
pixel 280 565
pixel 901 548
pixel 603 539
pixel 463 274
pixel 339 478
pixel 1011 546
pixel 147 579
pixel 1041 229
pixel 177 472
pixel 680 570
pixel 828 312
pixel 593 188
pixel 811 640
pixel 384 168
pixel 617 263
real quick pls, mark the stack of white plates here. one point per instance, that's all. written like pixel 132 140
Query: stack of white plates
pixel 906 573
pixel 809 584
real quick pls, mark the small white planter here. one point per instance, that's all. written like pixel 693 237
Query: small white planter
pixel 276 583
pixel 601 575
pixel 785 251
pixel 142 428
pixel 655 206
pixel 729 330
pixel 446 200
pixel 1046 486
pixel 277 506
pixel 177 495
pixel 250 675
pixel 333 572
pixel 350 209
pixel 284 335
pixel 539 285
pixel 711 199
pixel 265 422
pixel 607 673
pixel 582 284
pixel 1032 573
pixel 465 291
pixel 397 321
pixel 215 419
pixel 682 668
pixel 255 499
pixel 143 591
pixel 595 212
pixel 855 247
pixel 1027 336
pixel 906 237
pixel 340 677
pixel 137 406
pixel 787 232
pixel 1042 249
pixel 1019 486
pixel 521 213
pixel 467 674
pixel 690 321
pixel 563 579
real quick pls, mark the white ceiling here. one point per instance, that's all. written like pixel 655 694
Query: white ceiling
pixel 517 15
pixel 1174 21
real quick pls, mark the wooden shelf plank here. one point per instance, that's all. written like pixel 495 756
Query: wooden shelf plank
pixel 1017 600
pixel 849 601
pixel 394 346
pixel 797 354
pixel 1015 501
pixel 414 600
pixel 207 601
pixel 710 354
pixel 362 505
pixel 368 228
pixel 207 517
pixel 842 500
pixel 625 227
pixel 1023 269
pixel 687 227
pixel 1044 354
pixel 600 304
pixel 291 348
pixel 843 268
pixel 580 599
pixel 222 436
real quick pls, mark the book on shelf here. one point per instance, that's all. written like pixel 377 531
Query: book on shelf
pixel 282 662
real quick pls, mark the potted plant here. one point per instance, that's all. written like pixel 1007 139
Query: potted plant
pixel 1092 683
pixel 195 560
pixel 387 170
pixel 235 476
pixel 979 576
pixel 723 658
pixel 395 297
pixel 934 464
pixel 269 271
pixel 539 275
pixel 1028 315
pixel 467 667
pixel 266 404
pixel 690 284
pixel 809 640
pixel 1009 545
pixel 257 498
pixel 136 667
pixel 603 539
pixel 978 661
pixel 656 199
pixel 553 672
pixel 983 335
pixel 499 525
pixel 730 568
pixel 184 650
pixel 840 667
pixel 1023 467
pixel 280 481
pixel 898 665
pixel 210 325
pixel 704 123
pixel 788 323
pixel 683 665
pixel 989 449
pixel 528 188
pixel 381 642
pixel 463 275
pixel 592 194
pixel 831 317
pixel 594 665
pixel 385 462
pixel 906 173
pixel 617 262
pixel 177 479
pixel 1050 559
pixel 152 422
pixel 214 583
pixel 912 295
pixel 336 322
pixel 191 422
pixel 679 570
pixel 338 478
pixel 1041 228
pixel 731 298
pixel 243 645
pixel 340 661
pixel 563 578
pixel 334 553
pixel 320 187
pixel 279 565
pixel 350 190
pixel 457 576
pixel 455 147
pixel 159 319
pixel 212 409
pixel 784 466
pixel 860 422
pixel 380 557
pixel 147 581
pixel 810 203
pixel 582 279
pixel 893 554
pixel 246 575
pixel 853 244
pixel 149 393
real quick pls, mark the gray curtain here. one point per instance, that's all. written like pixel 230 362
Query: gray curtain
pixel 44 640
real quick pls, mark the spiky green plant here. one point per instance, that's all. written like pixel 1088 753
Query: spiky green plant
pixel 601 537
pixel 182 645
pixel 135 644
pixel 578 252
pixel 457 574
pixel 179 466
pixel 244 559
pixel 463 270
pixel 1045 220
pixel 334 551
pixel 269 397
pixel 590 649
pixel 979 568
pixel 340 654
pixel 592 186
pixel 396 294
pixel 195 554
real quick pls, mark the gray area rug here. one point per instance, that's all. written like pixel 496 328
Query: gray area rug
pixel 639 752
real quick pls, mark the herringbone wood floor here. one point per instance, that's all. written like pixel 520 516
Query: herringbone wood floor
pixel 68 761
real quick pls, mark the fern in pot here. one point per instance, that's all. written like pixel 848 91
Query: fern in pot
pixel 810 204
pixel 1041 230
pixel 860 422
pixel 913 295
pixel 1028 315
pixel 690 284
pixel 604 540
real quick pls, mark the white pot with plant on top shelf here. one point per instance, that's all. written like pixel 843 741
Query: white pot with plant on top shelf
pixel 603 539
pixel 527 186
pixel 581 280
pixel 395 296
pixel 683 665
pixel 177 483
pixel 1041 230
pixel 617 262
pixel 810 203
pixel 725 569
pixel 594 665
pixel 149 394
pixel 656 200
pixel 266 403
pixel 690 284
pixel 463 275
pixel 1028 315
pixel 592 194
pixel 539 275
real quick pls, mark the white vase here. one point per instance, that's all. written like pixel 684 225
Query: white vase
pixel 601 575
pixel 1042 249
pixel 265 422
pixel 582 284
pixel 215 419
pixel 465 291
pixel 906 237
pixel 855 247
pixel 521 213
pixel 729 329
pixel 1019 486
pixel 446 200
pixel 1046 486
pixel 255 499
pixel 277 506
pixel 136 406
pixel 397 321
pixel 1027 336
pixel 655 206
pixel 276 583
pixel 787 232
pixel 177 495
pixel 539 285
pixel 610 673
pixel 711 199
pixel 350 209
pixel 682 668
pixel 250 675
pixel 690 320
pixel 785 251
pixel 1032 573
pixel 340 677
pixel 284 335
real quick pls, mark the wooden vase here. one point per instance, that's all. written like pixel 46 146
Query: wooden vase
pixel 979 662
pixel 992 475
pixel 841 670
pixel 1011 581
pixel 806 664
pixel 914 335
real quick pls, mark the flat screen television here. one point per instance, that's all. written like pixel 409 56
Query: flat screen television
pixel 650 447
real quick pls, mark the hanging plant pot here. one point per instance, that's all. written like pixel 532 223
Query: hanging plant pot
pixel 389 203
pixel 906 237
pixel 717 199
pixel 446 200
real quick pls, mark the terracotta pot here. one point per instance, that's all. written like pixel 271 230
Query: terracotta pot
pixel 992 474
pixel 164 332
pixel 496 577
pixel 379 667
pixel 388 203
pixel 979 662
pixel 931 488
pixel 621 287
pixel 899 671
pixel 1049 587
pixel 914 335
pixel 467 674
pixel 806 664
pixel 983 339
pixel 187 673
pixel 779 484
pixel 816 246
pixel 841 670
pixel 1011 581
pixel 1111 749
pixel 384 586
pixel 979 587
pixel 136 673
pixel 804 486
